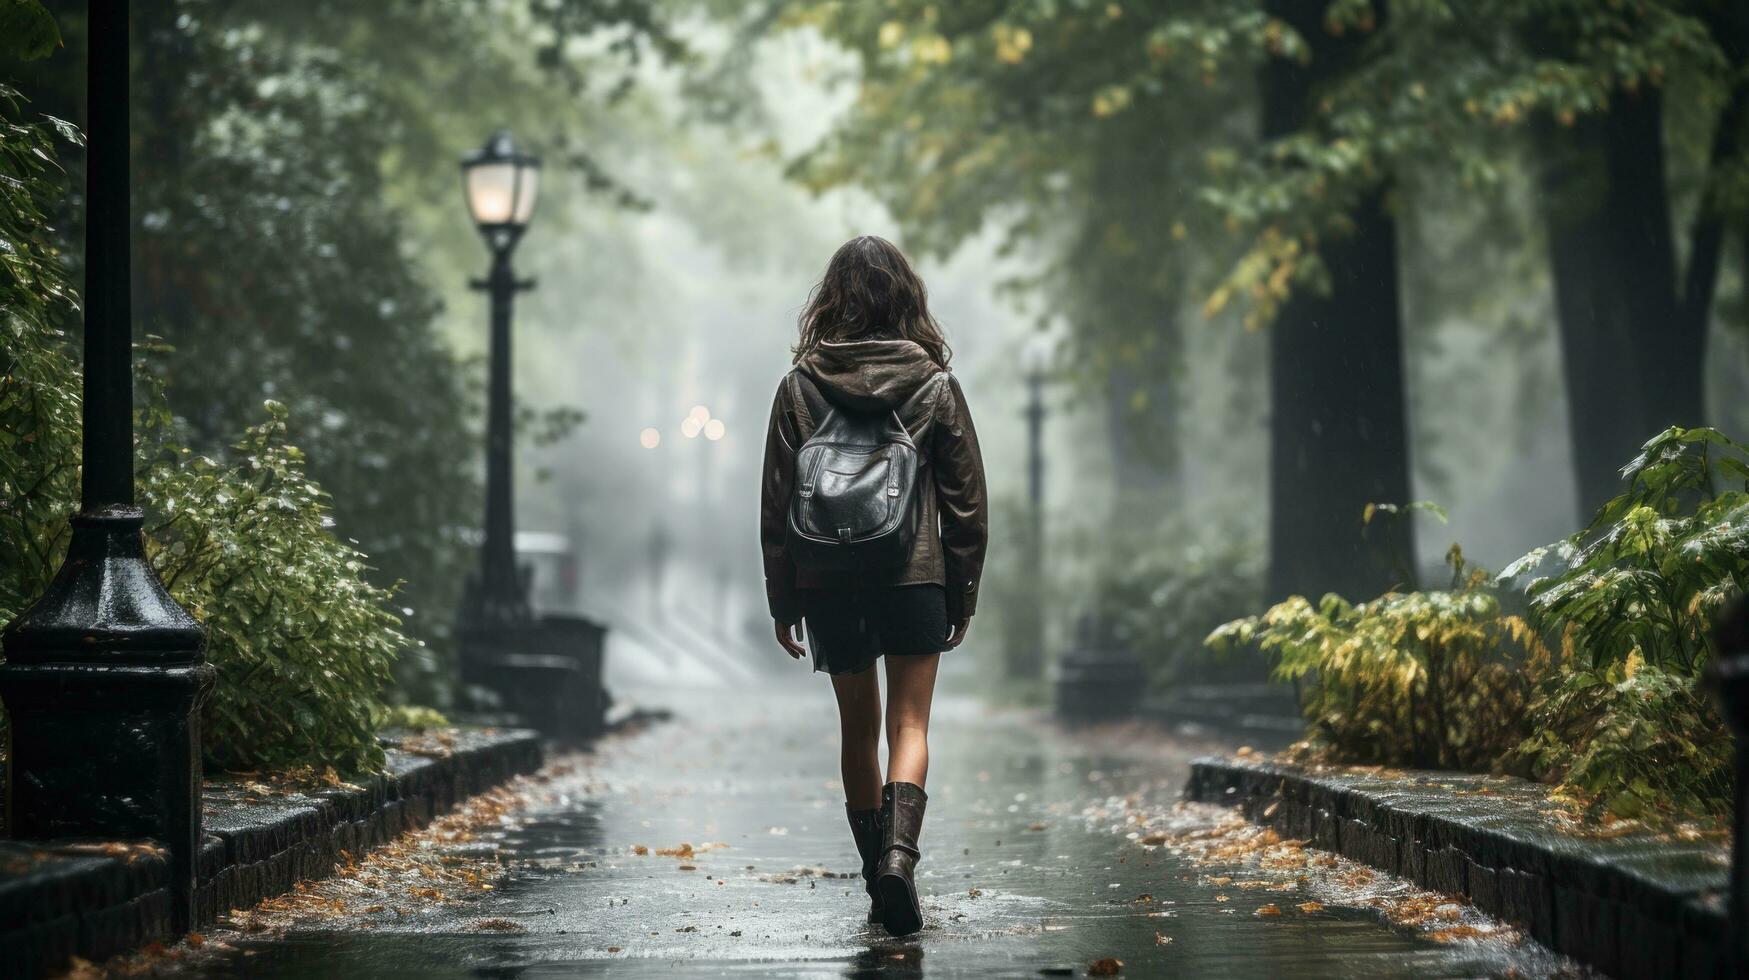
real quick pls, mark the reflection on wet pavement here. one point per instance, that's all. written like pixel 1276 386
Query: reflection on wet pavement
pixel 714 844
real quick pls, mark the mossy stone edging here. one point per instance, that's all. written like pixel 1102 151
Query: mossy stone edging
pixel 95 901
pixel 1637 905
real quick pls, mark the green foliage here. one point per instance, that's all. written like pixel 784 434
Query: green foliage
pixel 29 29
pixel 1618 717
pixel 302 642
pixel 39 402
pixel 1054 124
pixel 1164 593
pixel 1001 102
pixel 1635 738
pixel 1448 90
pixel 1409 678
pixel 1607 706
pixel 1658 562
pixel 412 716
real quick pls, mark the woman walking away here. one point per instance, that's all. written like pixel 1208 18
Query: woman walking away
pixel 873 523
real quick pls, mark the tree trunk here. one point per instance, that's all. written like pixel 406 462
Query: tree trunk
pixel 1631 353
pixel 1633 336
pixel 1338 421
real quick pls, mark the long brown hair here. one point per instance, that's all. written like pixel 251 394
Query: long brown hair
pixel 870 291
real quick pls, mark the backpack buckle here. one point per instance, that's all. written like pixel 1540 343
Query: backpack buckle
pixel 807 490
pixel 844 535
pixel 892 491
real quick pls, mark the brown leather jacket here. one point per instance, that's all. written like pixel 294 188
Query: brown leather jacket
pixel 883 374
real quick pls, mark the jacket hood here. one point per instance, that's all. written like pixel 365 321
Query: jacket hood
pixel 866 375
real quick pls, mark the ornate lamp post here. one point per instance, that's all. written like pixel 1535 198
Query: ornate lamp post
pixel 501 183
pixel 105 674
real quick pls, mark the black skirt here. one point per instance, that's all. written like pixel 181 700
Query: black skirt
pixel 848 629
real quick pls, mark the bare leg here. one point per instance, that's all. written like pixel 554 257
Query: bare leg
pixel 859 736
pixel 910 690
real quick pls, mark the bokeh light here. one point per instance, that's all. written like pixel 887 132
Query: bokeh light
pixel 690 428
pixel 713 430
pixel 650 438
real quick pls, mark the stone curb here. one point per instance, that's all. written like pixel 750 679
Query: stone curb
pixel 1632 906
pixel 61 901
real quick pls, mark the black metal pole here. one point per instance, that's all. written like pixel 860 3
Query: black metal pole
pixel 108 476
pixel 500 584
pixel 498 598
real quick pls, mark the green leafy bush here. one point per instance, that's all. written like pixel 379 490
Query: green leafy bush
pixel 1593 689
pixel 1163 593
pixel 1410 678
pixel 302 642
pixel 412 717
pixel 1629 736
pixel 1616 714
pixel 39 391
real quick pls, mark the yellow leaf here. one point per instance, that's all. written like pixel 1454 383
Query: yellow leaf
pixel 1217 301
pixel 932 50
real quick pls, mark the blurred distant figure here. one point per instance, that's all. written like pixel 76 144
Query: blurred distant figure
pixel 873 524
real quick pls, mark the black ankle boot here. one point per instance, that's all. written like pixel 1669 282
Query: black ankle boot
pixel 865 826
pixel 902 822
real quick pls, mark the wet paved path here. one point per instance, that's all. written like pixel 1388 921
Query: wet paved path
pixel 1030 870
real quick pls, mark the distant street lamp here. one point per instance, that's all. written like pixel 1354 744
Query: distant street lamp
pixel 501 183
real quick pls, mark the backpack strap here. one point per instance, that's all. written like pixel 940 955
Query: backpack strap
pixel 809 404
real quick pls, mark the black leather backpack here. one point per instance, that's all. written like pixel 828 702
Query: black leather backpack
pixel 856 500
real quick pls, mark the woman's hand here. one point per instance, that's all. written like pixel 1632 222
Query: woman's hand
pixel 787 640
pixel 958 635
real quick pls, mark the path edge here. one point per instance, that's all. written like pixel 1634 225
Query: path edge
pixel 1571 899
pixel 59 901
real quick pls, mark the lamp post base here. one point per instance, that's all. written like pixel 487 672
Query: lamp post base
pixel 103 684
pixel 109 753
pixel 544 671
